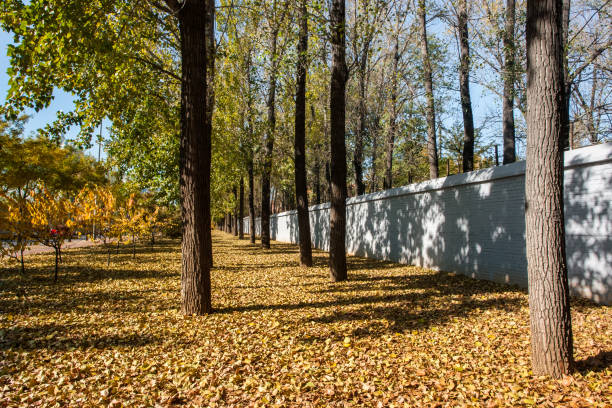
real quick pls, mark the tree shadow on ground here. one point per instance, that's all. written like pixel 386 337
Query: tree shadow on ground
pixel 67 337
pixel 597 363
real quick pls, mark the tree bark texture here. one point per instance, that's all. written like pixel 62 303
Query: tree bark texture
pixel 301 193
pixel 194 161
pixel 464 88
pixel 549 308
pixel 211 50
pixel 432 149
pixel 388 180
pixel 236 205
pixel 359 137
pixel 251 199
pixel 567 85
pixel 269 145
pixel 509 133
pixel 241 210
pixel 337 217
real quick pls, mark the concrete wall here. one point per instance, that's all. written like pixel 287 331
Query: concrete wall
pixel 474 223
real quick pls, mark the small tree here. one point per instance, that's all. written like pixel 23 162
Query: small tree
pixel 53 220
pixel 15 222
pixel 130 220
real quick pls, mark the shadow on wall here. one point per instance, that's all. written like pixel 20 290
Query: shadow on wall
pixel 474 223
pixel 588 223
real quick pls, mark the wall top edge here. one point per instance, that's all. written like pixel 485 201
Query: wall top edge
pixel 573 158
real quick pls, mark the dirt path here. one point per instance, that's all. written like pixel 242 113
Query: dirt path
pixel 77 243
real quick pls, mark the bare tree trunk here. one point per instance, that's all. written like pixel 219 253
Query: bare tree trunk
pixel 375 135
pixel 236 205
pixel 21 260
pixel 328 179
pixel 432 149
pixel 317 181
pixel 241 210
pixel 509 79
pixel 337 217
pixel 301 193
pixel 269 145
pixel 464 87
pixel 194 161
pixel 388 180
pixel 251 200
pixel 358 154
pixel 567 86
pixel 591 126
pixel 211 52
pixel 549 307
pixel 56 264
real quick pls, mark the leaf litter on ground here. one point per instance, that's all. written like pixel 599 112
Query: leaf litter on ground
pixel 281 335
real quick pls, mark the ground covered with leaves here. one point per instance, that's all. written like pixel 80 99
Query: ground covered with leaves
pixel 282 335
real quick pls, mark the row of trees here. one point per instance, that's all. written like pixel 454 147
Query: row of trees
pixel 53 218
pixel 173 87
pixel 51 193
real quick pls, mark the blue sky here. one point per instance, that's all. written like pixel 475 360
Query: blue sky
pixel 62 101
pixel 482 103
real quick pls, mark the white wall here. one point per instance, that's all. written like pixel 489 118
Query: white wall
pixel 474 223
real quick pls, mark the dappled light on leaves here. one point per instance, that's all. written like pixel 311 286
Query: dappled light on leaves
pixel 281 335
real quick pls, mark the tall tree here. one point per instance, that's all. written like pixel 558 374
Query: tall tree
pixel 549 307
pixel 195 157
pixel 300 141
pixel 464 87
pixel 339 74
pixel 241 210
pixel 271 127
pixel 432 149
pixel 509 72
pixel 251 199
pixel 211 51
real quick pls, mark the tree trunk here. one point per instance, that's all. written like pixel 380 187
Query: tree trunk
pixel 317 181
pixel 358 154
pixel 567 85
pixel 388 180
pixel 337 217
pixel 195 160
pixel 269 146
pixel 549 307
pixel 241 210
pixel 591 125
pixel 56 264
pixel 301 193
pixel 251 199
pixel 509 79
pixel 21 260
pixel 211 51
pixel 432 149
pixel 236 205
pixel 464 88
pixel 133 247
pixel 375 134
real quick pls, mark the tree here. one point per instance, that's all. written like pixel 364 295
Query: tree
pixel 274 20
pixel 464 87
pixel 432 149
pixel 195 157
pixel 15 222
pixel 337 215
pixel 549 307
pixel 300 141
pixel 53 222
pixel 509 80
